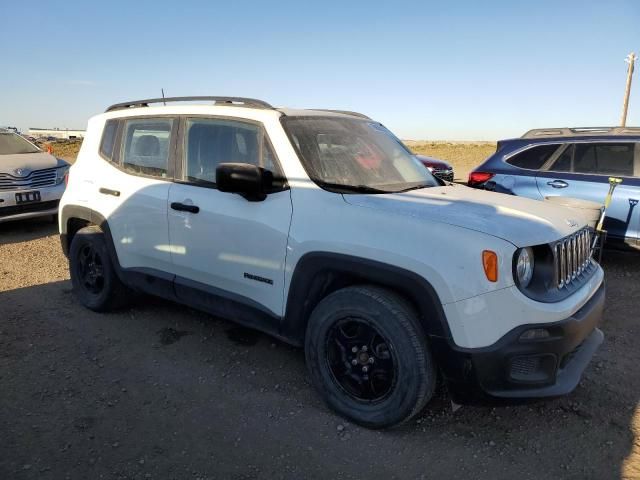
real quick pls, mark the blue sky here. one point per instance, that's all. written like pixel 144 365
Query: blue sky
pixel 427 70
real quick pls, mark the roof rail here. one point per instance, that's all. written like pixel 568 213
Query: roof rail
pixel 580 132
pixel 235 101
pixel 345 112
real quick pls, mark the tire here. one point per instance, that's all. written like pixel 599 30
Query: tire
pixel 372 399
pixel 93 276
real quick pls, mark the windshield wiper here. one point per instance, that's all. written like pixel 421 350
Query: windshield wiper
pixel 415 187
pixel 353 188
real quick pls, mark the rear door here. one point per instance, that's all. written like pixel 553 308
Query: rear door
pixel 227 251
pixel 133 188
pixel 520 178
pixel 582 170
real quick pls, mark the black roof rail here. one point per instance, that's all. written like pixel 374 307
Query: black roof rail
pixel 235 101
pixel 345 112
pixel 580 132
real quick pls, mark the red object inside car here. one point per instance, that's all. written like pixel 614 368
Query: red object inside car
pixel 368 158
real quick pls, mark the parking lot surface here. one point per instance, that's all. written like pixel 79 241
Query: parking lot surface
pixel 162 391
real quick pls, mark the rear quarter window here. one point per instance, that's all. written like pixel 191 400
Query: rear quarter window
pixel 533 158
pixel 108 139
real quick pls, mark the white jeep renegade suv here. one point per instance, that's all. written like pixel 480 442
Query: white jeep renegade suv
pixel 322 229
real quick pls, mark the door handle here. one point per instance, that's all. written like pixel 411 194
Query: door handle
pixel 108 191
pixel 181 207
pixel 558 184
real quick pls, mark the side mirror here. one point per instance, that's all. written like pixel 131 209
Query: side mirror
pixel 246 179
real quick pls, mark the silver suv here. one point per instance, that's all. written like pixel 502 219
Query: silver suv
pixel 31 181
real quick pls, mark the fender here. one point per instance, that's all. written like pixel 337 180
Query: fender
pixel 90 216
pixel 319 273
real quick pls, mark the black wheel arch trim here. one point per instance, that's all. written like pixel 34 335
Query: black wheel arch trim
pixel 89 215
pixel 317 274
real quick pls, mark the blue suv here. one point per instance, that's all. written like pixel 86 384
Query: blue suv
pixel 572 162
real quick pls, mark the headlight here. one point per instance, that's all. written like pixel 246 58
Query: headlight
pixel 61 173
pixel 524 267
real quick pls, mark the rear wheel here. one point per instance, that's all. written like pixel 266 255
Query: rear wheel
pixel 93 276
pixel 368 356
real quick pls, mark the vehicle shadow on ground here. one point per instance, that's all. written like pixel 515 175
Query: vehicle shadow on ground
pixel 163 390
pixel 27 230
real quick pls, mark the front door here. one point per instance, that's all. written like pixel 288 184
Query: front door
pixel 228 253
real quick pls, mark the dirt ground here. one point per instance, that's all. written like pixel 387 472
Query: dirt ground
pixel 161 391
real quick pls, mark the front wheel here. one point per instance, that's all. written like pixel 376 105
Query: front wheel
pixel 368 356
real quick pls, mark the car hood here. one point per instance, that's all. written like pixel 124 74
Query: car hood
pixel 28 162
pixel 521 221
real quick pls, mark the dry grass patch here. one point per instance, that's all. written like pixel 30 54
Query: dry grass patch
pixel 464 156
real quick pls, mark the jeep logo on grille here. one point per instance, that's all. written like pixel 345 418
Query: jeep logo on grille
pixel 571 223
pixel 21 172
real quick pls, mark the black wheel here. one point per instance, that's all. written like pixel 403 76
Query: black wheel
pixel 368 356
pixel 95 282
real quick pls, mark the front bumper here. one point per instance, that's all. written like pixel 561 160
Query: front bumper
pixel 444 174
pixel 514 368
pixel 49 196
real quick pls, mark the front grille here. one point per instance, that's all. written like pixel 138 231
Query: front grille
pixel 28 208
pixel 36 179
pixel 572 256
pixel 446 175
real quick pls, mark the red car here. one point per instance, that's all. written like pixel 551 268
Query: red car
pixel 439 168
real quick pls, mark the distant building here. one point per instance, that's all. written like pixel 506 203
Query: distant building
pixel 56 132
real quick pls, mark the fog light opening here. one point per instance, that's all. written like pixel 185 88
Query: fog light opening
pixel 535 334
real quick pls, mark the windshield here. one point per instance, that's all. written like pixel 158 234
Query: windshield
pixel 353 155
pixel 10 144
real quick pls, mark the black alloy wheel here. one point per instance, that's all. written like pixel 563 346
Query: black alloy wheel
pixel 93 275
pixel 369 357
pixel 91 269
pixel 361 360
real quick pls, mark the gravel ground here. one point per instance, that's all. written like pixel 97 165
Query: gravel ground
pixel 161 391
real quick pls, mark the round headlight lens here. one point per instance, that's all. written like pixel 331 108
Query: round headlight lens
pixel 524 267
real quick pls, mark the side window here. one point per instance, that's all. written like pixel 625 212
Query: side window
pixel 604 159
pixel 533 158
pixel 146 146
pixel 210 142
pixel 108 139
pixel 564 161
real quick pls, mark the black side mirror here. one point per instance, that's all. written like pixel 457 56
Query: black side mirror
pixel 250 181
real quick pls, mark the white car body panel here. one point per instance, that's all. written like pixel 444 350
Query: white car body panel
pixel 231 241
pixel 480 321
pixel 437 233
